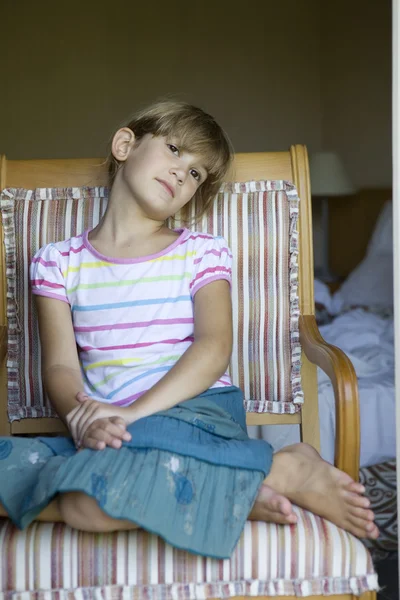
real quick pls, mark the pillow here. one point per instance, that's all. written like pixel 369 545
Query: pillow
pixel 259 221
pixel 322 294
pixel 371 282
pixel 323 303
pixel 381 241
pixel 369 285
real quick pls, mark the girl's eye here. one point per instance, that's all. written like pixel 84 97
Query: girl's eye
pixel 195 174
pixel 173 149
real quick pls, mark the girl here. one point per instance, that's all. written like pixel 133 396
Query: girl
pixel 158 430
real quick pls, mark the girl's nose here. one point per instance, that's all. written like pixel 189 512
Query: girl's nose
pixel 179 173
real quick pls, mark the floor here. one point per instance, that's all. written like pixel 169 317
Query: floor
pixel 388 574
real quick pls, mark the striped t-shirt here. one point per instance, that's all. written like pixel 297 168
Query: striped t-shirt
pixel 133 318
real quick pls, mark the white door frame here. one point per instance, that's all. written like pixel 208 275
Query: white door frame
pixel 396 220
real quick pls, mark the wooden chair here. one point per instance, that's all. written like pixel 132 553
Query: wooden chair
pixel 289 166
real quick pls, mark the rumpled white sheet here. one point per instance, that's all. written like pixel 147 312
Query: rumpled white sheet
pixel 368 340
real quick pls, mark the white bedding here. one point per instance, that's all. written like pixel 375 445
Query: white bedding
pixel 368 341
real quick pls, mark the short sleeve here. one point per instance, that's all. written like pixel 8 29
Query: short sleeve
pixel 46 274
pixel 213 261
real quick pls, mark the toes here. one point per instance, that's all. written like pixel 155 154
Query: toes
pixel 289 519
pixel 264 512
pixel 357 531
pixel 371 532
pixel 279 518
pixel 357 500
pixel 356 487
pixel 346 481
pixel 362 527
pixel 374 533
pixel 271 501
pixel 284 506
pixel 362 513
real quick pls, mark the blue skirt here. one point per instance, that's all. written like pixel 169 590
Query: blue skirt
pixel 190 474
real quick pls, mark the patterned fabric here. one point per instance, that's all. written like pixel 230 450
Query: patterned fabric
pixel 313 557
pixel 133 318
pixel 259 222
pixel 380 484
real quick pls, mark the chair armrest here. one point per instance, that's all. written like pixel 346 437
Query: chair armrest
pixel 3 342
pixel 340 371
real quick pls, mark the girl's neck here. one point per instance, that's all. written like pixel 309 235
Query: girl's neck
pixel 122 235
pixel 121 229
pixel 124 221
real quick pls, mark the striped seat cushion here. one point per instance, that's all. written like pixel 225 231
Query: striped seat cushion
pixel 53 561
pixel 259 221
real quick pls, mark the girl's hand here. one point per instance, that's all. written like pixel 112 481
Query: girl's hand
pixel 89 411
pixel 105 432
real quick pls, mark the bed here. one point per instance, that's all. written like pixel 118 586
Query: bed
pixel 358 318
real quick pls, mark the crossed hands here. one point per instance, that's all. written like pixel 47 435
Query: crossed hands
pixel 96 425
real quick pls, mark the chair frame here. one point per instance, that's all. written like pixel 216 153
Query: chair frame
pixel 291 166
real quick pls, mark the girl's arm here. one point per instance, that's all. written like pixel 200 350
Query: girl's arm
pixel 203 363
pixel 61 372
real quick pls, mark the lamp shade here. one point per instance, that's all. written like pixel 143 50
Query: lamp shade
pixel 328 175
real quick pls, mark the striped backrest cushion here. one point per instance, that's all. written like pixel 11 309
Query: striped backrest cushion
pixel 259 221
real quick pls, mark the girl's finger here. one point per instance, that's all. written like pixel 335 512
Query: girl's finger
pixel 103 437
pixel 118 421
pixel 71 417
pixel 85 417
pixel 93 443
pixel 82 397
pixel 94 412
pixel 73 424
pixel 110 428
pixel 126 436
pixel 72 421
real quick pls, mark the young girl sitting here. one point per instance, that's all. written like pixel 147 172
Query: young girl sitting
pixel 136 333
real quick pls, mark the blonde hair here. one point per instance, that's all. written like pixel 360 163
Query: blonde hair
pixel 196 132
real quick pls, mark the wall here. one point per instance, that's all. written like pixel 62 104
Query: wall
pixel 356 87
pixel 273 74
pixel 71 79
pixel 355 79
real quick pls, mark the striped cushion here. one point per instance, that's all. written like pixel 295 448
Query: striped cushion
pixel 314 557
pixel 259 221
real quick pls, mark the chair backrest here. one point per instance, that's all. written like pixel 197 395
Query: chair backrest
pixel 291 166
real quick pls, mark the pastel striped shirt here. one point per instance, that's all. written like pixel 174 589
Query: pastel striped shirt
pixel 133 318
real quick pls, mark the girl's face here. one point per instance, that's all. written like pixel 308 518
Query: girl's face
pixel 159 177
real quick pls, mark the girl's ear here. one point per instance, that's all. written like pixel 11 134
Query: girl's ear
pixel 122 143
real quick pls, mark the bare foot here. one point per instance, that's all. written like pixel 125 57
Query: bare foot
pixel 301 475
pixel 272 507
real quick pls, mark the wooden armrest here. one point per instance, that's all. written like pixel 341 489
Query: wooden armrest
pixel 340 371
pixel 3 342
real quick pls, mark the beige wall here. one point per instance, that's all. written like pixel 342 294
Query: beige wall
pixel 71 79
pixel 356 87
pixel 273 74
